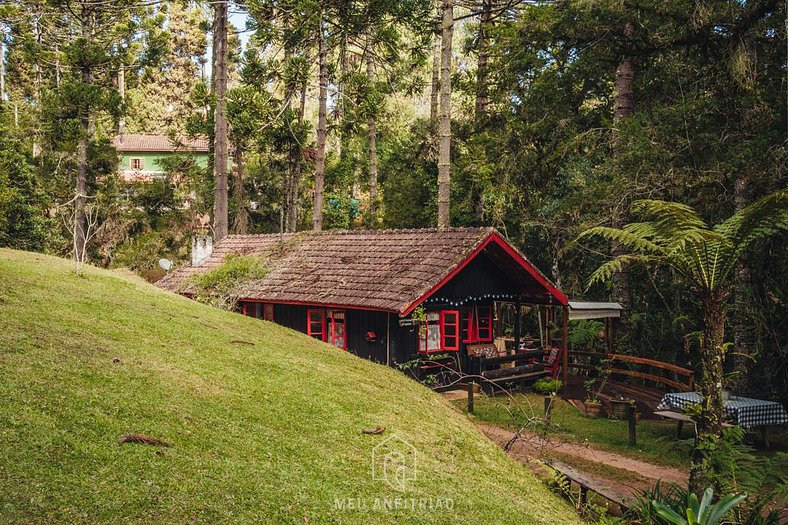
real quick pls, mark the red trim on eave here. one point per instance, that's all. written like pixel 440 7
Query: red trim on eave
pixel 497 239
pixel 530 268
pixel 318 305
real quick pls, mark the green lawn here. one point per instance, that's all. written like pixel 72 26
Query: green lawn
pixel 656 439
pixel 265 422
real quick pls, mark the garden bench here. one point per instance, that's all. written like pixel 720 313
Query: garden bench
pixel 586 483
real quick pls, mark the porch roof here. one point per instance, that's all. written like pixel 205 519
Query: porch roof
pixel 593 310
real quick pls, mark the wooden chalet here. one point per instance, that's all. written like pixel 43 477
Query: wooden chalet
pixel 392 295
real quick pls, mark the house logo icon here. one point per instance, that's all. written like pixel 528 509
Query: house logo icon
pixel 394 462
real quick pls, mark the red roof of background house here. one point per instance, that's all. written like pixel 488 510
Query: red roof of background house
pixel 392 270
pixel 159 143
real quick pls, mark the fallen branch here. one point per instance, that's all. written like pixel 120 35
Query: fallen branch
pixel 143 440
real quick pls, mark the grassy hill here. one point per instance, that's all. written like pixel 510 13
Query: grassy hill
pixel 264 422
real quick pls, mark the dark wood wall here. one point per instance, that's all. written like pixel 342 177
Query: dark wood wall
pixel 481 276
pixel 357 324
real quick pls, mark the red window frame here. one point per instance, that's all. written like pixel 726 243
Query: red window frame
pixel 450 330
pixel 325 326
pixel 484 334
pixel 337 318
pixel 424 333
pixel 316 328
pixel 472 329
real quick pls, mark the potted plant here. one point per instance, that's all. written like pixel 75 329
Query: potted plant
pixel 619 407
pixel 548 388
pixel 593 388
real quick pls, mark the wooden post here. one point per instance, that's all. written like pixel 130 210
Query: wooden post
pixel 548 404
pixel 470 397
pixel 565 343
pixel 517 307
pixel 548 314
pixel 632 425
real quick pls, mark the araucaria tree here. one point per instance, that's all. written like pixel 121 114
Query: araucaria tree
pixel 674 236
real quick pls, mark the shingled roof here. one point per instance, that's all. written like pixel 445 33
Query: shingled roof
pixel 392 270
pixel 158 143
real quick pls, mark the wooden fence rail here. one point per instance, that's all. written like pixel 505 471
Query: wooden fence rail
pixel 612 359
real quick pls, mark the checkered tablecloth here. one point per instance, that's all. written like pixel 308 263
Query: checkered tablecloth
pixel 743 411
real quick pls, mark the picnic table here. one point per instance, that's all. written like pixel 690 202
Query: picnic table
pixel 745 412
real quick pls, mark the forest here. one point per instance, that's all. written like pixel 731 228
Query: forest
pixel 543 119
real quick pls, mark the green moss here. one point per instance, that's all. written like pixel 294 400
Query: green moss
pixel 265 422
pixel 220 286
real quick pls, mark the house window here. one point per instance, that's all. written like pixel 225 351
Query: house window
pixel 336 328
pixel 440 332
pixel 137 164
pixel 477 324
pixel 328 326
pixel 450 329
pixel 259 310
pixel 268 311
pixel 430 333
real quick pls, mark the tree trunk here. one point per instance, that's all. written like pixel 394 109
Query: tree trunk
pixel 444 144
pixel 339 103
pixel 320 162
pixel 122 93
pixel 625 81
pixel 624 101
pixel 482 95
pixel 80 188
pixel 743 329
pixel 221 218
pixel 2 70
pixel 482 67
pixel 436 70
pixel 710 386
pixel 241 215
pixel 372 139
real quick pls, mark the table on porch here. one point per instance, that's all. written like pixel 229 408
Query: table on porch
pixel 743 411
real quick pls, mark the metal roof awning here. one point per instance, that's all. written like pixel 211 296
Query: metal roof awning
pixel 593 310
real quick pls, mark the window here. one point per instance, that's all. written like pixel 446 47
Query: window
pixel 137 164
pixel 328 326
pixel 440 332
pixel 259 310
pixel 336 330
pixel 430 334
pixel 316 324
pixel 450 329
pixel 268 311
pixel 477 324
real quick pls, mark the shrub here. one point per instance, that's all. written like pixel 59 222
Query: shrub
pixel 547 386
pixel 221 286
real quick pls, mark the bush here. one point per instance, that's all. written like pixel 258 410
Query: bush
pixel 548 387
pixel 220 286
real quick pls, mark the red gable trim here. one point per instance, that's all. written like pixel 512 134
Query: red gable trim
pixel 497 239
pixel 316 305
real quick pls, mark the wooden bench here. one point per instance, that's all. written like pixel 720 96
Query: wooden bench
pixel 522 374
pixel 681 419
pixel 586 483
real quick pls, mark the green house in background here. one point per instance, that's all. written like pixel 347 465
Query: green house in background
pixel 141 156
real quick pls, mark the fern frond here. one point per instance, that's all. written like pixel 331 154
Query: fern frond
pixel 633 242
pixel 669 216
pixel 763 218
pixel 605 272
